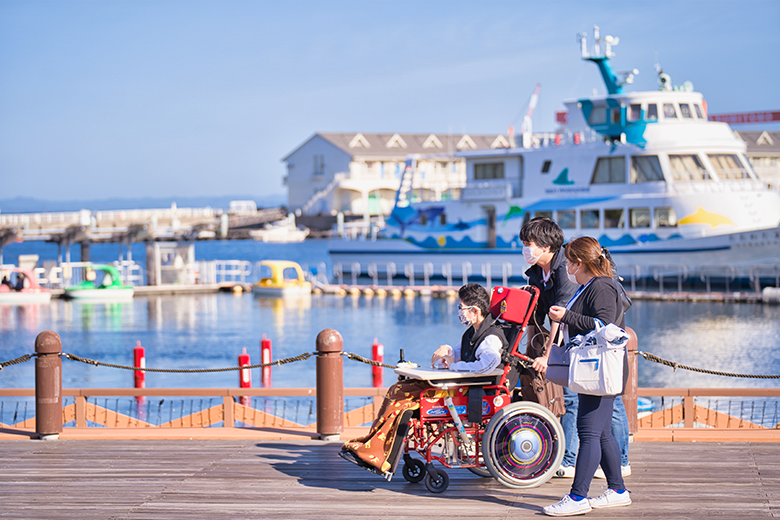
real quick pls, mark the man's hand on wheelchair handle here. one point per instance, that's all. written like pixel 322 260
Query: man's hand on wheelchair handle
pixel 444 355
pixel 540 364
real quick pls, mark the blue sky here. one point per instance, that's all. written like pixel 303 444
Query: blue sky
pixel 185 98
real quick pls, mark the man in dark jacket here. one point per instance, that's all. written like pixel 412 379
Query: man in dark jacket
pixel 542 241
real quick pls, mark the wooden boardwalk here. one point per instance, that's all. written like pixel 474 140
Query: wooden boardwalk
pixel 305 479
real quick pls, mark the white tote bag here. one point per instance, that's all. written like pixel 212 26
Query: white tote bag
pixel 598 364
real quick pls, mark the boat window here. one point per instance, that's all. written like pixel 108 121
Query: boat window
pixel 443 219
pixel 589 219
pixel 688 168
pixel 616 116
pixel 290 273
pixel 635 112
pixel 487 171
pixel 547 214
pixel 698 111
pixel 546 166
pixel 652 112
pixel 598 116
pixel 646 168
pixel 423 219
pixel 669 112
pixel 639 217
pixel 665 217
pixel 685 110
pixel 566 219
pixel 613 219
pixel 526 218
pixel 609 170
pixel 727 166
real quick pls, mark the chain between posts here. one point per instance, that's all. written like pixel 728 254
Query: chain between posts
pixel 675 366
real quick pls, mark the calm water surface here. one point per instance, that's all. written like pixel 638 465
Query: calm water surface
pixel 209 331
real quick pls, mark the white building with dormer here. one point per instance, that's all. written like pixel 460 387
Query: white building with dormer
pixel 360 173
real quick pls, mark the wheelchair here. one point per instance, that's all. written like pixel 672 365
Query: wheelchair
pixel 470 421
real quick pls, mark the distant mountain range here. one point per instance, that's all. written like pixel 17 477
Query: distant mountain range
pixel 32 205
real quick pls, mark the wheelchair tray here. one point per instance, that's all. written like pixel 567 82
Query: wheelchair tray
pixel 440 377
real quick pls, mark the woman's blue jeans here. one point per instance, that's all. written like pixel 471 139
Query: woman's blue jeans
pixel 569 424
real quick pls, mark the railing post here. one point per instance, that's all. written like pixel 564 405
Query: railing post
pixel 48 385
pixel 629 398
pixel 330 385
pixel 688 415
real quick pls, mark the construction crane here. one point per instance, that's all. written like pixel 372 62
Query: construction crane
pixel 526 129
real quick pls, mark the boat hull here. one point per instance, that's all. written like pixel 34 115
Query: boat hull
pixel 101 294
pixel 24 298
pixel 742 251
pixel 281 292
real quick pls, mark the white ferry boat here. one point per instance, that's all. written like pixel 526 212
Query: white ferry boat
pixel 644 172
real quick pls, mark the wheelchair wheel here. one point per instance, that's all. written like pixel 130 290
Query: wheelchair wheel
pixel 414 472
pixel 480 472
pixel 523 445
pixel 439 484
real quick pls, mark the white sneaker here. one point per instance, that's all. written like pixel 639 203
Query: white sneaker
pixel 611 499
pixel 565 472
pixel 568 507
pixel 625 471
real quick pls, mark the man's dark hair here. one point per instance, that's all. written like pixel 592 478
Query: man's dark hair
pixel 544 232
pixel 473 294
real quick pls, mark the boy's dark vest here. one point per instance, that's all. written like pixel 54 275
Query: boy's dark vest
pixel 471 339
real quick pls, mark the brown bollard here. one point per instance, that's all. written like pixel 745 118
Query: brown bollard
pixel 330 385
pixel 48 385
pixel 629 399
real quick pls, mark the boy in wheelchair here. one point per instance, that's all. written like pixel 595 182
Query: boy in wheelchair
pixel 480 351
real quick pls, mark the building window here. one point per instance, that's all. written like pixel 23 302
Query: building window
pixel 598 116
pixel 566 219
pixel 688 168
pixel 546 166
pixel 727 166
pixel 613 219
pixel 669 112
pixel 319 165
pixel 488 171
pixel 639 217
pixel 609 170
pixel 685 110
pixel 665 217
pixel 645 168
pixel 635 112
pixel 589 219
pixel 652 112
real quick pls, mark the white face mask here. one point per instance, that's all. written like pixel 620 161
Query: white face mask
pixel 530 257
pixel 572 276
pixel 464 320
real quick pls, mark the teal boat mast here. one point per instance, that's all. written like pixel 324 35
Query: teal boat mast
pixel 613 83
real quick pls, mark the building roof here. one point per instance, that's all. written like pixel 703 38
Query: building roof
pixel 384 144
pixel 761 142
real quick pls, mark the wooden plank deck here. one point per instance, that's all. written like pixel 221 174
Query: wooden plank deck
pixel 304 479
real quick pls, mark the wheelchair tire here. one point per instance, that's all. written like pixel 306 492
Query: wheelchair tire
pixel 481 472
pixel 414 472
pixel 437 485
pixel 523 445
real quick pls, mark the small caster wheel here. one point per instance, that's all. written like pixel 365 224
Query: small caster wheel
pixel 414 472
pixel 437 485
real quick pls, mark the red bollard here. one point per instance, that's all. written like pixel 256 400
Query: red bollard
pixel 265 357
pixel 377 354
pixel 244 376
pixel 139 361
pixel 557 139
pixel 577 138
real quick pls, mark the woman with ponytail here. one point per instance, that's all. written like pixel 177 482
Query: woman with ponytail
pixel 598 298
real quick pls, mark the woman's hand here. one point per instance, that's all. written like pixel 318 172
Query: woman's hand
pixel 556 313
pixel 540 365
pixel 443 354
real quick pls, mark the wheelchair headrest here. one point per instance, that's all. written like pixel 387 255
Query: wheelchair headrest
pixel 514 304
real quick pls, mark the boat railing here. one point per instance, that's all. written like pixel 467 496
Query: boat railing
pixel 224 271
pixel 317 274
pixel 635 273
pixel 426 270
pixel 727 272
pixel 130 273
pixel 662 271
pixel 465 271
pixel 487 272
pixel 757 272
pixel 390 272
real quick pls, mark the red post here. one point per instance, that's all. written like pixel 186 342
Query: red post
pixel 577 138
pixel 377 354
pixel 557 139
pixel 265 357
pixel 330 385
pixel 244 376
pixel 139 361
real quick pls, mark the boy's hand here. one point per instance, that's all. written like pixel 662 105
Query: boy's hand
pixel 444 355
